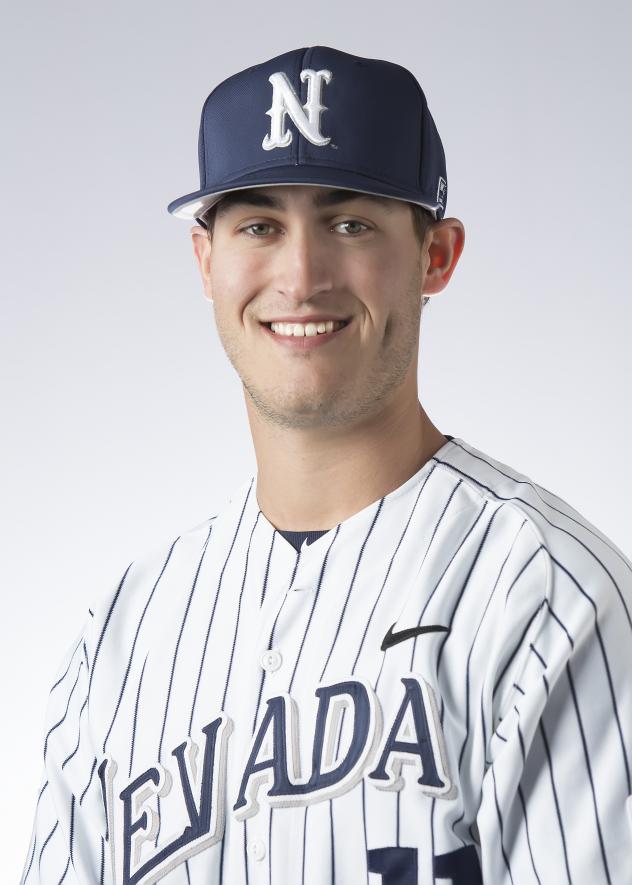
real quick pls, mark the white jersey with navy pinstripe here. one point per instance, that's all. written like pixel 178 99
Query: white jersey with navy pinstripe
pixel 230 715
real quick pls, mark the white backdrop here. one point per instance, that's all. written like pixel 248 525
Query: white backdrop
pixel 123 422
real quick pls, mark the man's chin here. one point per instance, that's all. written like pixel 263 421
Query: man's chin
pixel 298 412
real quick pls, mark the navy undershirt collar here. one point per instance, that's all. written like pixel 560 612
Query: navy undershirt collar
pixel 296 538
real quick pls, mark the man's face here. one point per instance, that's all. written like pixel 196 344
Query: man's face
pixel 288 259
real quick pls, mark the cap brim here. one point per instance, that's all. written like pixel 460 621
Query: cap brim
pixel 192 206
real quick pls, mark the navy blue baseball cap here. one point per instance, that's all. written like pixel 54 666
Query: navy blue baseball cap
pixel 319 116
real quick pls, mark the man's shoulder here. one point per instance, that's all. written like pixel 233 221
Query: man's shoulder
pixel 567 535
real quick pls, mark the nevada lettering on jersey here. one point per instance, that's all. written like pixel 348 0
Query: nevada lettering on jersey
pixel 414 738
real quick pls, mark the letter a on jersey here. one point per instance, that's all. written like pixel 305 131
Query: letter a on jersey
pixel 416 738
pixel 306 117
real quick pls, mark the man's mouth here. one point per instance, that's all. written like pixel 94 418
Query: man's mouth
pixel 300 337
pixel 306 330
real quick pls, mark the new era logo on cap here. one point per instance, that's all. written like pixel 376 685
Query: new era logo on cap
pixel 442 189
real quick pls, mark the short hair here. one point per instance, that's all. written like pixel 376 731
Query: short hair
pixel 422 220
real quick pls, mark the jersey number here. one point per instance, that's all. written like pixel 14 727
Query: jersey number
pixel 398 866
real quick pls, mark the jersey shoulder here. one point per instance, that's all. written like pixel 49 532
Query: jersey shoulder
pixel 567 535
pixel 121 603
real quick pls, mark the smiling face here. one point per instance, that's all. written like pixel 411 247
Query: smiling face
pixel 304 254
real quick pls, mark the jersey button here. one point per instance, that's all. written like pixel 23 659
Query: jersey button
pixel 271 660
pixel 257 849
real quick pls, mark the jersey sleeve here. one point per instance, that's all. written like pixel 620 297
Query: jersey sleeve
pixel 68 836
pixel 556 791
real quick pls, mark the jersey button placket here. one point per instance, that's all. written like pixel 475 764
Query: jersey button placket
pixel 256 849
pixel 271 660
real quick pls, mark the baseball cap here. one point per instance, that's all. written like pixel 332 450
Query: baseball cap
pixel 319 116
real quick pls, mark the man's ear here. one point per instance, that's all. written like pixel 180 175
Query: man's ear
pixel 202 249
pixel 446 241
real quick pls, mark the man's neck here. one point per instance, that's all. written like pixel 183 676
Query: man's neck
pixel 310 480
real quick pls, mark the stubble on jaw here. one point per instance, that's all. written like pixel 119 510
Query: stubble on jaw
pixel 346 404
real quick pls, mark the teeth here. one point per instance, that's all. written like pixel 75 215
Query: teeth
pixel 298 330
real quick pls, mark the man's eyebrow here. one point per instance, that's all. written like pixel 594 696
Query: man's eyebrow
pixel 254 197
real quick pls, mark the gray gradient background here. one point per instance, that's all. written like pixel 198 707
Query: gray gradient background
pixel 123 422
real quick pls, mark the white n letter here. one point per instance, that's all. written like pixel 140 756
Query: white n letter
pixel 286 101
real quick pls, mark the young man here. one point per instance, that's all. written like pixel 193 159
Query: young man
pixel 389 658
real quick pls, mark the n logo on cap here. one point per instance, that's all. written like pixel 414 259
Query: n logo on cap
pixel 286 101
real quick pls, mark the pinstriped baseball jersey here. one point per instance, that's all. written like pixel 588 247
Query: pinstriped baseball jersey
pixel 436 690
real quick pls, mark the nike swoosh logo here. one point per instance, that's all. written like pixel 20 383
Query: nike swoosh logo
pixel 393 638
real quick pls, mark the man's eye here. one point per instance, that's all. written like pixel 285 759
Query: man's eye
pixel 352 222
pixel 257 224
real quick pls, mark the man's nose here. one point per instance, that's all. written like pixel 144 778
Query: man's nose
pixel 304 264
